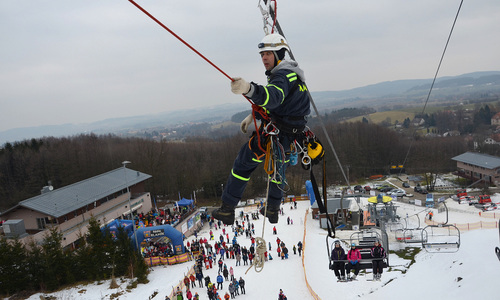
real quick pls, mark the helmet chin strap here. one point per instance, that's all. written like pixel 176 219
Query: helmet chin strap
pixel 276 59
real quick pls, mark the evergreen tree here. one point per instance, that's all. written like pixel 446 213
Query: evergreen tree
pixel 101 250
pixel 13 273
pixel 55 270
pixel 35 266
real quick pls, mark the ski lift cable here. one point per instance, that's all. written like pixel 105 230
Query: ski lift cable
pixel 435 77
pixel 265 14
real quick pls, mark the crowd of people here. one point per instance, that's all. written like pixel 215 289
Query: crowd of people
pixel 224 253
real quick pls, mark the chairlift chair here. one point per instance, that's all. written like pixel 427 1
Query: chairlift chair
pixel 441 238
pixel 364 241
pixel 395 226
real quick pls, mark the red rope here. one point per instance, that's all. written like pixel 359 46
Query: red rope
pixel 255 108
pixel 179 38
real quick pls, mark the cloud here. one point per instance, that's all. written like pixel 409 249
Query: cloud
pixel 79 61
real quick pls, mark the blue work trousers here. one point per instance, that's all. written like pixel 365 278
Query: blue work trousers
pixel 249 157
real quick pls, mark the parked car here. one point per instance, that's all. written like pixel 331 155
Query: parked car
pixel 406 184
pixel 398 193
pixel 420 189
pixel 358 188
pixel 367 188
pixel 386 189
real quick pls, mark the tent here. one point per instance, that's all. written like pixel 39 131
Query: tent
pixel 113 226
pixel 185 202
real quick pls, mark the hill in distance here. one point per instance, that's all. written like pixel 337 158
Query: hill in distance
pixel 383 96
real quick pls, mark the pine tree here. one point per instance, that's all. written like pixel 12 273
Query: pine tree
pixel 13 274
pixel 56 270
pixel 101 250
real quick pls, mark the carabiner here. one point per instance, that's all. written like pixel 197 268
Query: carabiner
pixel 306 160
pixel 274 130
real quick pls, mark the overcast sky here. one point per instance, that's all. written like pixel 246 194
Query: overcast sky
pixel 82 61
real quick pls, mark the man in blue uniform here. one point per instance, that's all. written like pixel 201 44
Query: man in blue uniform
pixel 286 102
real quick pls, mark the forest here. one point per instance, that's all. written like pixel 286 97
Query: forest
pixel 201 164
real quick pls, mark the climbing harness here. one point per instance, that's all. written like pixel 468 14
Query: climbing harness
pixel 310 150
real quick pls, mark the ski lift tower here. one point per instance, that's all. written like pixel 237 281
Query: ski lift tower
pixel 382 211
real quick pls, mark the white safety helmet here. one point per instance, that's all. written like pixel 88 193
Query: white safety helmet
pixel 273 42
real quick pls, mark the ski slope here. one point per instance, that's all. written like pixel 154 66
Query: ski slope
pixel 470 273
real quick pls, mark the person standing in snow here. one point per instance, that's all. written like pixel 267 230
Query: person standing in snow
pixel 220 280
pixel 281 295
pixel 199 276
pixel 337 257
pixel 299 247
pixel 179 294
pixel 242 285
pixel 193 280
pixel 231 272
pixel 353 257
pixel 378 254
pixel 286 102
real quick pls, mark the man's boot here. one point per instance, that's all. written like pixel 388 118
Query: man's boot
pixel 272 213
pixel 225 213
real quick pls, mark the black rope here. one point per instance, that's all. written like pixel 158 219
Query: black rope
pixel 321 205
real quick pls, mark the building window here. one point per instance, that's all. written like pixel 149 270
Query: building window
pixel 41 223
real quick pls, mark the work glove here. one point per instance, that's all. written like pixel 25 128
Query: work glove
pixel 240 86
pixel 245 123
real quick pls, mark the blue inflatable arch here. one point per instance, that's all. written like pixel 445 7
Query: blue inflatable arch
pixel 163 230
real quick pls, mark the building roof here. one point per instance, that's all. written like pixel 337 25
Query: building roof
pixel 496 116
pixel 62 201
pixel 478 159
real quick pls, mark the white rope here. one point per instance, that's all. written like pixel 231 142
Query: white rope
pixel 260 249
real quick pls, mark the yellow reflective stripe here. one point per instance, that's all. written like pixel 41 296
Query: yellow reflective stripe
pixel 292 77
pixel 238 176
pixel 274 181
pixel 267 99
pixel 257 160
